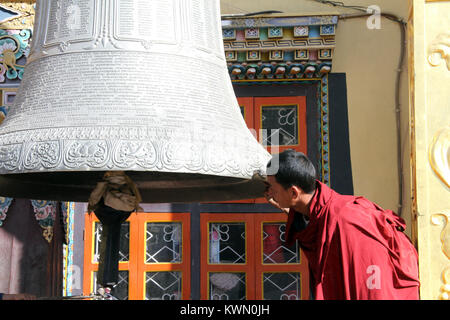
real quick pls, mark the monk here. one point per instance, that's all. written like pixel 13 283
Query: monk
pixel 355 249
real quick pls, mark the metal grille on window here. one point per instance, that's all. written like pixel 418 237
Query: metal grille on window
pixel 227 286
pixel 275 249
pixel 227 243
pixel 124 251
pixel 282 286
pixel 120 291
pixel 164 285
pixel 163 242
pixel 280 125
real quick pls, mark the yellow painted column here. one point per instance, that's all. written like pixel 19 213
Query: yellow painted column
pixel 429 68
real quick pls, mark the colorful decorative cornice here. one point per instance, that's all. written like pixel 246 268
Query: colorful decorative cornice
pixel 274 70
pixel 278 21
pixel 279 47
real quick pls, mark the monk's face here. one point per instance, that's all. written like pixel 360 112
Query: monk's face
pixel 283 196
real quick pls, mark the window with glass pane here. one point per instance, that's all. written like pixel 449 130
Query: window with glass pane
pixel 281 286
pixel 280 125
pixel 164 285
pixel 124 246
pixel 227 286
pixel 227 242
pixel 275 249
pixel 120 291
pixel 163 242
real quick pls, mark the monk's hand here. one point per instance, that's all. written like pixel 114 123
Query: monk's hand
pixel 269 197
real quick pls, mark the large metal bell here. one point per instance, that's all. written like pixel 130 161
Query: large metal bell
pixel 139 86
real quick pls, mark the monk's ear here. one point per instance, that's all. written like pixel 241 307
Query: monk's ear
pixel 295 192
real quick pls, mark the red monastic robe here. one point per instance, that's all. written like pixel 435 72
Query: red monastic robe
pixel 355 249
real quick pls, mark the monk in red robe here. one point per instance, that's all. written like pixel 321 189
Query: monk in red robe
pixel 355 249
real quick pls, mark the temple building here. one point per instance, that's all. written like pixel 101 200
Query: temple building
pixel 360 87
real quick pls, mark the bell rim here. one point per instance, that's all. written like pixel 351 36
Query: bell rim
pixel 173 187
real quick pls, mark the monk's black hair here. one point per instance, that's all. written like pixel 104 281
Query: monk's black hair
pixel 292 168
